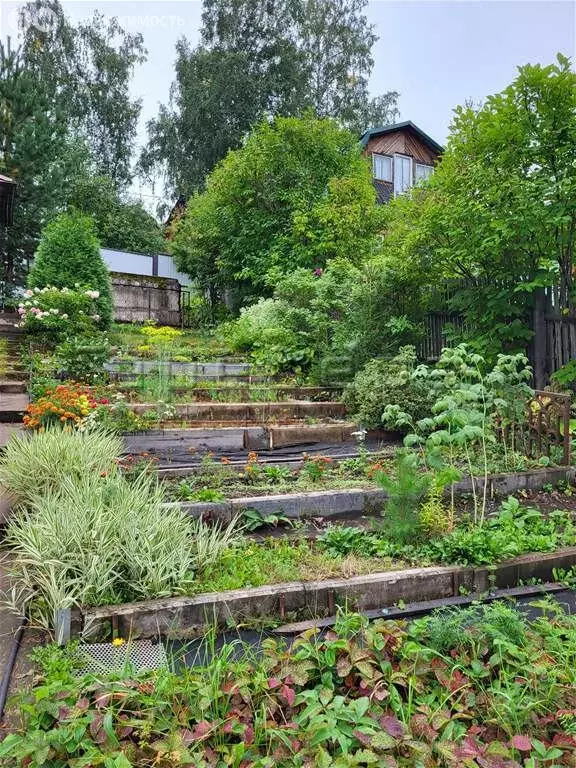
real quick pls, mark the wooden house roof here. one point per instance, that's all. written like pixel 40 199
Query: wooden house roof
pixel 406 125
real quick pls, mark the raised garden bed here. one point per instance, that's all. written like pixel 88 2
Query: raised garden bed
pixel 188 615
pixel 239 438
pixel 366 501
pixel 249 413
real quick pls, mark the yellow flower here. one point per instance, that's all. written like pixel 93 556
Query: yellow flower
pixel 118 641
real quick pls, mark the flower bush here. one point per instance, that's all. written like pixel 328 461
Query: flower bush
pixel 66 404
pixel 51 314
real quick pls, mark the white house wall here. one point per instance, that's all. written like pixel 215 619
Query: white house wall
pixel 140 264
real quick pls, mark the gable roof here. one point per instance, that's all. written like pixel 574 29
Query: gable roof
pixel 407 124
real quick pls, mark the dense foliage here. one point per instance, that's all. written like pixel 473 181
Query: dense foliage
pixel 382 382
pixel 68 256
pixel 121 223
pixel 49 314
pixel 256 60
pixel 499 211
pixel 297 194
pixel 71 83
pixel 476 687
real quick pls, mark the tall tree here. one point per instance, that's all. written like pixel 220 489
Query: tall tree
pixel 500 209
pixel 261 59
pixel 121 223
pixel 86 69
pixel 36 151
pixel 299 193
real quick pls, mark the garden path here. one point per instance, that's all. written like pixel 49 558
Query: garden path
pixel 9 623
pixel 13 397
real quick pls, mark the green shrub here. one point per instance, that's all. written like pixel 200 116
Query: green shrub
pixel 68 256
pixel 281 337
pixel 383 382
pixel 38 463
pixel 82 358
pixel 103 540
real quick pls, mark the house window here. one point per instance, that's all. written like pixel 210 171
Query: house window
pixel 402 173
pixel 382 167
pixel 423 172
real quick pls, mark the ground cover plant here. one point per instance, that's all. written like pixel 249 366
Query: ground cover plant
pixel 131 341
pixel 482 687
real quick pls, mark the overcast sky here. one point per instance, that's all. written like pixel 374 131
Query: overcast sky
pixel 436 53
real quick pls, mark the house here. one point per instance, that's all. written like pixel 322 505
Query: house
pixel 402 155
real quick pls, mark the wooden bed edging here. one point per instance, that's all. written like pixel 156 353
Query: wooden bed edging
pixel 364 501
pixel 186 616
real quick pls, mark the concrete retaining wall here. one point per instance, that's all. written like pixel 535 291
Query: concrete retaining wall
pixel 186 615
pixel 215 370
pixel 359 501
pixel 328 504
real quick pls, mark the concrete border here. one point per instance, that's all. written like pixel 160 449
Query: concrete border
pixel 327 504
pixel 209 370
pixel 186 615
pixel 365 501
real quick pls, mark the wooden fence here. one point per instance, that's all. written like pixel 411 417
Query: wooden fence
pixel 553 343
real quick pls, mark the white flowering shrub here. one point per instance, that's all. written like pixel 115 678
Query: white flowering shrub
pixel 52 314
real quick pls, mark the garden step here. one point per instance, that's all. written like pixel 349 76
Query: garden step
pixel 12 386
pixel 15 375
pixel 12 407
pixel 245 413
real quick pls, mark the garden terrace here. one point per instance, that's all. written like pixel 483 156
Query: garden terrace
pixel 308 597
pixel 231 392
pixel 276 444
pixel 326 495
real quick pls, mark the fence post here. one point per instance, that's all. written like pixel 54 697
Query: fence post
pixel 540 339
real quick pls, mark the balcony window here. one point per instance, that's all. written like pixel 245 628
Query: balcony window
pixel 402 173
pixel 382 167
pixel 423 172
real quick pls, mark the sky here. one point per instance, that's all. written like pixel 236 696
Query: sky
pixel 435 53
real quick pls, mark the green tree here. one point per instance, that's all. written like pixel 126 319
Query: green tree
pixel 36 151
pixel 500 210
pixel 86 69
pixel 297 194
pixel 69 255
pixel 121 223
pixel 259 60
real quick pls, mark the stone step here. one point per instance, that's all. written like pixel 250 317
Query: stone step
pixel 12 407
pixel 12 386
pixel 15 374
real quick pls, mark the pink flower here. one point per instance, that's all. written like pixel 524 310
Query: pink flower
pixel 21 311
